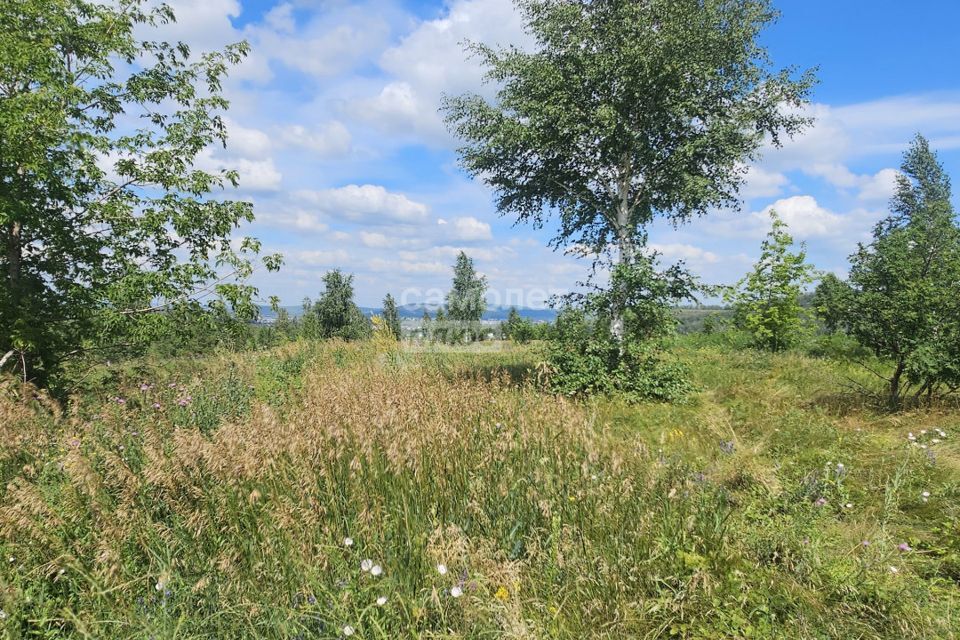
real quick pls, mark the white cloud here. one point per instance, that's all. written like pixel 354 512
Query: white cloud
pixel 332 42
pixel 321 258
pixel 247 142
pixel 298 219
pixel 760 183
pixel 370 204
pixel 328 139
pixel 255 175
pixel 405 266
pixel 431 61
pixel 880 187
pixel 678 251
pixel 469 229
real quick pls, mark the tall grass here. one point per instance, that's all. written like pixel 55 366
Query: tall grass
pixel 240 497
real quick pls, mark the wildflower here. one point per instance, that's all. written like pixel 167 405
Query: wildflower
pixel 925 496
pixel 121 401
pixel 366 565
pixel 3 614
pixel 311 599
pixel 144 387
pixel 849 505
pixel 903 546
pixel 894 570
pixel 442 569
pixel 820 502
pixel 502 594
pixel 156 405
pixel 923 432
pixel 911 437
pixel 865 543
pixel 348 631
pixel 12 559
pixel 456 592
pixel 158 586
pixel 382 600
pixel 727 446
pixel 376 570
pixel 935 441
pixel 348 542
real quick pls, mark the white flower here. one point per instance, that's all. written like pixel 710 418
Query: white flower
pixel 935 441
pixel 366 565
pixel 348 630
pixel 3 614
pixel 382 600
pixel 849 505
pixel 456 592
pixel 911 437
pixel 12 559
pixel 894 569
pixel 923 432
pixel 376 570
pixel 348 542
pixel 925 494
pixel 158 586
pixel 442 569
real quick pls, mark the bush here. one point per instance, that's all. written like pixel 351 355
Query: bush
pixel 584 360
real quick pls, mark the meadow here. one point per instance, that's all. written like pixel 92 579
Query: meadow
pixel 329 490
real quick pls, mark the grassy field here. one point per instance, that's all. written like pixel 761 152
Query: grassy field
pixel 332 490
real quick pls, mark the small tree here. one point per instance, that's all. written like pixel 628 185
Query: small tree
pixel 766 302
pixel 440 326
pixel 426 326
pixel 518 328
pixel 902 298
pixel 337 315
pixel 391 316
pixel 465 301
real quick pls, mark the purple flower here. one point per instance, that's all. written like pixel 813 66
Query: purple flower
pixel 121 401
pixel 156 405
pixel 727 446
pixel 820 502
pixel 144 387
pixel 903 546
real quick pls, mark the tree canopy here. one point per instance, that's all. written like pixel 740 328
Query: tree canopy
pixel 106 220
pixel 901 298
pixel 624 111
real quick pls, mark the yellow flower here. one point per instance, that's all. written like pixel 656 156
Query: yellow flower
pixel 502 594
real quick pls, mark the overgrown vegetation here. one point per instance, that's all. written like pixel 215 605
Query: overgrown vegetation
pixel 321 487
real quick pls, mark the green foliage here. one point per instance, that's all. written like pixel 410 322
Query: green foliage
pixel 752 512
pixel 584 357
pixel 108 224
pixel 766 302
pixel 336 314
pixel 465 301
pixel 583 360
pixel 613 119
pixel 391 316
pixel 901 299
pixel 518 328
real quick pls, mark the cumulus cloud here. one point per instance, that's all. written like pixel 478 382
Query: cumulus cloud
pixel 327 139
pixel 370 204
pixel 430 61
pixel 468 229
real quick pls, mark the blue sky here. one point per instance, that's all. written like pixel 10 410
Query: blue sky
pixel 335 132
